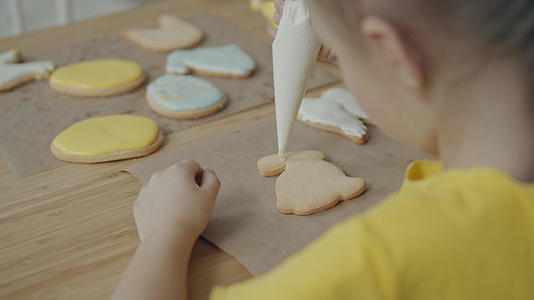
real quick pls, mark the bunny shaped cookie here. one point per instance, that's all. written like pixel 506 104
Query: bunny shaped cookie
pixel 336 111
pixel 308 184
pixel 13 73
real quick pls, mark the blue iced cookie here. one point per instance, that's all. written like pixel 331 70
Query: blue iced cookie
pixel 184 97
pixel 226 61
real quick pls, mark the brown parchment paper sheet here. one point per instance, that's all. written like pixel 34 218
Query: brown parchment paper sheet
pixel 32 115
pixel 246 223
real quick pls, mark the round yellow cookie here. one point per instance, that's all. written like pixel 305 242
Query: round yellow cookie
pixel 107 138
pixel 98 78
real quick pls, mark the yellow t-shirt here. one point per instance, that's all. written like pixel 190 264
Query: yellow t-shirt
pixel 455 234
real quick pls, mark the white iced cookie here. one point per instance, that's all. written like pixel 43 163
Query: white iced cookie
pixel 336 111
pixel 173 33
pixel 10 57
pixel 345 98
pixel 228 61
pixel 14 74
pixel 184 97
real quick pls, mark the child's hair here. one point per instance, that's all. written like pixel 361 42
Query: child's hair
pixel 497 27
pixel 507 26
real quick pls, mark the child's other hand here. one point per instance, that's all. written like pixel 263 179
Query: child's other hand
pixel 177 201
pixel 325 54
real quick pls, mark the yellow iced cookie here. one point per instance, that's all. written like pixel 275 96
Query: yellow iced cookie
pixel 98 78
pixel 108 138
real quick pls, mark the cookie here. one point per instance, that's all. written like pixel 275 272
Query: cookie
pixel 10 57
pixel 335 111
pixel 274 165
pixel 14 74
pixel 228 61
pixel 108 138
pixel 309 186
pixel 98 78
pixel 184 97
pixel 173 33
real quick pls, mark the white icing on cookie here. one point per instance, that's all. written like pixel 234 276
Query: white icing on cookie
pixel 12 72
pixel 229 59
pixel 336 108
pixel 8 57
pixel 345 98
pixel 183 93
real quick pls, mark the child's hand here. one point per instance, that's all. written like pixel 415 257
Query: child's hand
pixel 176 201
pixel 325 54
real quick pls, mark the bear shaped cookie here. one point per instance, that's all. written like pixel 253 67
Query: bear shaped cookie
pixel 308 184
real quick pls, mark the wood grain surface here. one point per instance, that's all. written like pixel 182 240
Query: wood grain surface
pixel 68 233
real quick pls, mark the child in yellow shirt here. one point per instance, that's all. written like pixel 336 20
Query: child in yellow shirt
pixel 452 78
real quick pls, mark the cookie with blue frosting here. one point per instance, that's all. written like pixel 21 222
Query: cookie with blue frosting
pixel 184 97
pixel 228 61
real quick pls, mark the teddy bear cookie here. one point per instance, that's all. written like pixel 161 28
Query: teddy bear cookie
pixel 273 165
pixel 98 78
pixel 228 61
pixel 308 184
pixel 184 97
pixel 335 111
pixel 13 73
pixel 107 138
pixel 173 33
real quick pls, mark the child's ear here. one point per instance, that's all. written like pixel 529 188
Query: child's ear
pixel 398 50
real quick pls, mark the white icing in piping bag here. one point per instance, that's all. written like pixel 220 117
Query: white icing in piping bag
pixel 295 51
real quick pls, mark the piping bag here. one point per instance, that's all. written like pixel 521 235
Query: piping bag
pixel 295 51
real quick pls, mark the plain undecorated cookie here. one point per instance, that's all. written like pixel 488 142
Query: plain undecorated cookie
pixel 98 78
pixel 13 73
pixel 309 186
pixel 336 111
pixel 228 61
pixel 173 33
pixel 184 97
pixel 107 138
pixel 274 165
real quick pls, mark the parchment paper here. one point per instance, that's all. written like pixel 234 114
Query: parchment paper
pixel 246 223
pixel 32 115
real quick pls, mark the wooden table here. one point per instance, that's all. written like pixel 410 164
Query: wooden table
pixel 69 233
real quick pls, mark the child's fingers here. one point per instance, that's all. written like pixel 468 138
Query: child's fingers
pixel 210 182
pixel 325 54
pixel 276 17
pixel 185 170
pixel 279 4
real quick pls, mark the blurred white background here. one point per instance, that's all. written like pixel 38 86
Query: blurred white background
pixel 39 14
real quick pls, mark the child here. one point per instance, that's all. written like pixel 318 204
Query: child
pixel 450 77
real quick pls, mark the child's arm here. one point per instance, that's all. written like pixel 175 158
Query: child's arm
pixel 170 213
